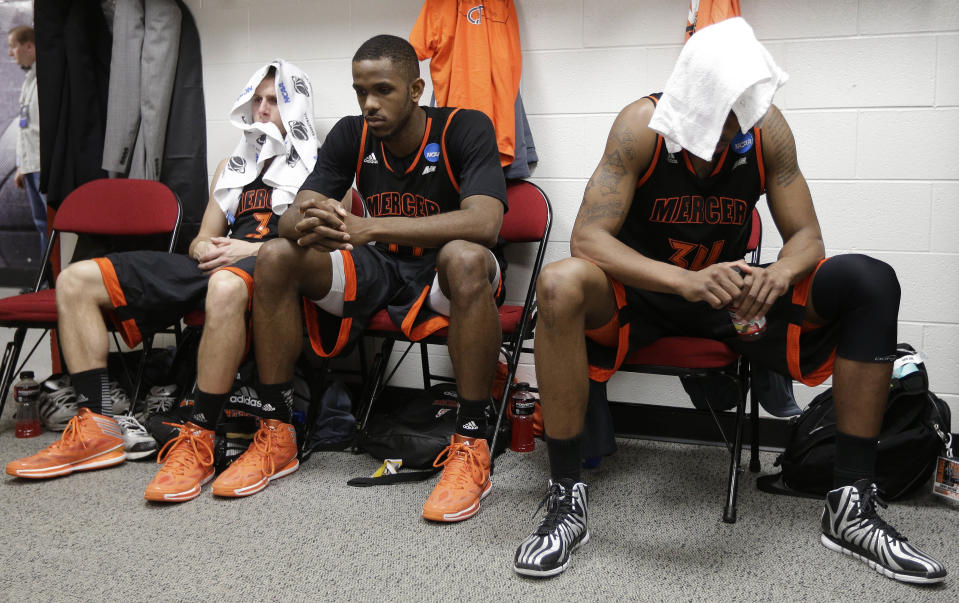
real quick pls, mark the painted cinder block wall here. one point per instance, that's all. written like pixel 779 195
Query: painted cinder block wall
pixel 873 101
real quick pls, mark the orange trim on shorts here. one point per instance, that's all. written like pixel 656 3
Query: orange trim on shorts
pixel 446 159
pixel 128 328
pixel 604 336
pixel 247 279
pixel 311 316
pixel 427 327
pixel 793 332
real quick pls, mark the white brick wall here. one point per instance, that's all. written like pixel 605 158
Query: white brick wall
pixel 873 101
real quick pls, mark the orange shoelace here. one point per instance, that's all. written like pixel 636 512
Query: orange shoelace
pixel 260 452
pixel 71 435
pixel 178 459
pixel 462 465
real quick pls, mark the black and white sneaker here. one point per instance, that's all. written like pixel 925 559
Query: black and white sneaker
pixel 851 525
pixel 546 551
pixel 137 442
pixel 233 438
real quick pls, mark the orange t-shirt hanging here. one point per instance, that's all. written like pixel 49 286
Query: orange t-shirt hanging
pixel 475 60
pixel 707 12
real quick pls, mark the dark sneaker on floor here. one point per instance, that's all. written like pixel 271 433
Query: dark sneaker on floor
pixel 851 525
pixel 137 442
pixel 546 551
pixel 233 438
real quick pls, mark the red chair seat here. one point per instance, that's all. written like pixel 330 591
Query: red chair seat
pixel 196 318
pixel 38 307
pixel 684 352
pixel 509 317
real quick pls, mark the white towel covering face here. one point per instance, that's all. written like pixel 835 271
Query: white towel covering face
pixel 721 68
pixel 295 153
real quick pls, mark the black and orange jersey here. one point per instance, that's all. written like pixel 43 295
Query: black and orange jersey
pixel 691 222
pixel 254 220
pixel 457 158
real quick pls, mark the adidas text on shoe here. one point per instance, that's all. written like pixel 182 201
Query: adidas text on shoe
pixel 187 463
pixel 90 441
pixel 546 552
pixel 464 483
pixel 271 456
pixel 851 525
pixel 137 443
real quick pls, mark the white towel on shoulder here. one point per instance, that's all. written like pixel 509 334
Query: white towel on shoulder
pixel 721 68
pixel 295 153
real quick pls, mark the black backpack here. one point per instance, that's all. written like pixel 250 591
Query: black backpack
pixel 417 430
pixel 914 432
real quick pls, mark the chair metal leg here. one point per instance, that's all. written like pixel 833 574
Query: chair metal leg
pixel 754 465
pixel 10 356
pixel 729 513
pixel 376 387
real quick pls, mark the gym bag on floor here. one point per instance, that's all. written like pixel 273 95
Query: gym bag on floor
pixel 914 432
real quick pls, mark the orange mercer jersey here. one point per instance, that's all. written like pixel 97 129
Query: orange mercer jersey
pixel 475 60
pixel 680 218
pixel 255 220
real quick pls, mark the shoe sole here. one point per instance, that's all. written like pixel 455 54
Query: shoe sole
pixel 137 451
pixel 832 545
pixel 533 573
pixel 94 462
pixel 460 515
pixel 178 496
pixel 254 488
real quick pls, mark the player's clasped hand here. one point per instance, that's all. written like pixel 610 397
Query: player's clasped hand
pixel 761 288
pixel 717 285
pixel 222 251
pixel 322 225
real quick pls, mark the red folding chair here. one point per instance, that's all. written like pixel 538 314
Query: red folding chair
pixel 527 221
pixel 114 207
pixel 697 357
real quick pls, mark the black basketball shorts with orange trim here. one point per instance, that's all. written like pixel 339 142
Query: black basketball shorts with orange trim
pixel 151 290
pixel 378 279
pixel 789 346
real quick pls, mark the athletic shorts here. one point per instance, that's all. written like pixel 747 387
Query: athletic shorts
pixel 377 279
pixel 790 346
pixel 151 290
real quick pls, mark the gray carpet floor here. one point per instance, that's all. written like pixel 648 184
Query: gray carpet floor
pixel 655 523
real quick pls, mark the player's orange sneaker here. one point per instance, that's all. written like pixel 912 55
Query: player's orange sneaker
pixel 90 441
pixel 271 456
pixel 187 465
pixel 464 483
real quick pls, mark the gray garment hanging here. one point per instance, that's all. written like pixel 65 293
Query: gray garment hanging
pixel 146 38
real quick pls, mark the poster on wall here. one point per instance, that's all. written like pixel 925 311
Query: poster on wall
pixel 20 243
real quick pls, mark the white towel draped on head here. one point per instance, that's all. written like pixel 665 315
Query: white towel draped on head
pixel 721 68
pixel 295 153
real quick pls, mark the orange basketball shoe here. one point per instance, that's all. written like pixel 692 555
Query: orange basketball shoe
pixel 90 441
pixel 187 465
pixel 464 483
pixel 271 456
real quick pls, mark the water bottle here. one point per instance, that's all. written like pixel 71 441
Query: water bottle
pixel 747 330
pixel 26 393
pixel 523 403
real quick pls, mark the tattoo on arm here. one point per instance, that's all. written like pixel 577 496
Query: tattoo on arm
pixel 784 150
pixel 610 173
pixel 590 213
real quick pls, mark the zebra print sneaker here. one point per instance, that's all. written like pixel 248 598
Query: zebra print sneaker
pixel 546 551
pixel 851 525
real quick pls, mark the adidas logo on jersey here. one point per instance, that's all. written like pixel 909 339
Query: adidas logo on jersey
pixel 671 158
pixel 739 162
pixel 428 170
pixel 371 159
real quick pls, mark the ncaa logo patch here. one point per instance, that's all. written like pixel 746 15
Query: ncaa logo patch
pixel 742 143
pixel 475 14
pixel 432 152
